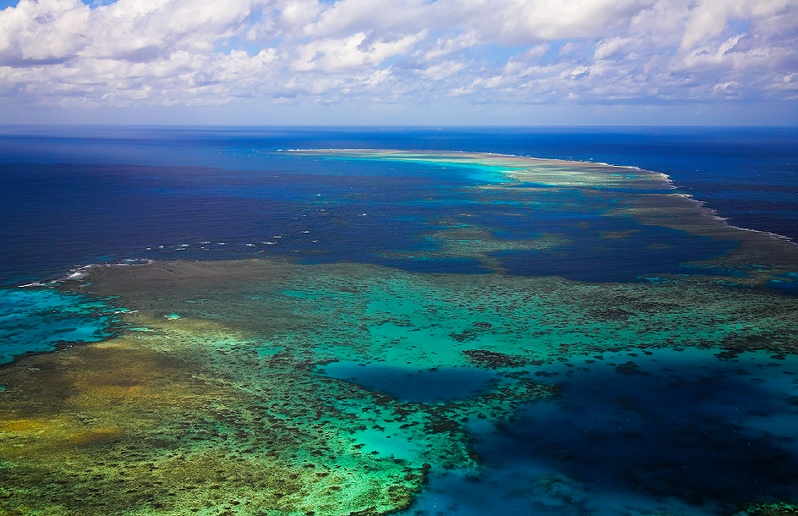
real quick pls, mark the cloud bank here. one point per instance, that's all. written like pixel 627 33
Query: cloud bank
pixel 516 52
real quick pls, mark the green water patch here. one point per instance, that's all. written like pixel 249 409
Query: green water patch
pixel 378 315
pixel 423 322
pixel 478 244
pixel 255 399
pixel 42 319
pixel 772 509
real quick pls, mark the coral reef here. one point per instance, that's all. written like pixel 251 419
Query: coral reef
pixel 215 394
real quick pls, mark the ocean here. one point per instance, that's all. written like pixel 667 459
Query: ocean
pixel 466 321
pixel 75 195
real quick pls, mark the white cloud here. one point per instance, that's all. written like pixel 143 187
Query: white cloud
pixel 140 30
pixel 50 30
pixel 530 21
pixel 612 47
pixel 449 45
pixel 441 70
pixel 194 52
pixel 357 51
pixel 351 16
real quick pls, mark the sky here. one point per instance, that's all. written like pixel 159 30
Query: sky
pixel 400 62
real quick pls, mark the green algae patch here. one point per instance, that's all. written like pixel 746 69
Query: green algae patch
pixel 477 243
pixel 772 509
pixel 371 314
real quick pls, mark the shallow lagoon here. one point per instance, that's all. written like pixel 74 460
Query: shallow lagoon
pixel 36 320
pixel 247 386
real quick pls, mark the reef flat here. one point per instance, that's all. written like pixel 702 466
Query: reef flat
pixel 273 386
pixel 528 211
pixel 215 399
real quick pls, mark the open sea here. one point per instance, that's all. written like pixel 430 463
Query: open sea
pixel 76 195
pixel 422 291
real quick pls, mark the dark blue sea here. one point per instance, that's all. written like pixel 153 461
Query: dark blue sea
pixel 72 196
pixel 80 195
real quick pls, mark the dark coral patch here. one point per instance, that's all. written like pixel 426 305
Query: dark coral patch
pixel 493 359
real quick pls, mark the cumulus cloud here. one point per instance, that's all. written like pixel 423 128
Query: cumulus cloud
pixel 195 52
pixel 44 33
pixel 355 52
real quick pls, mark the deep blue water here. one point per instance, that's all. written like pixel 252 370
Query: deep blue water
pixel 77 195
pixel 419 386
pixel 668 432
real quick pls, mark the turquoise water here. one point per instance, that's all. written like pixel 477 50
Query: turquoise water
pixel 36 320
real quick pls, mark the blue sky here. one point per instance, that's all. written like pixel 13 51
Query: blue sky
pixel 444 62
